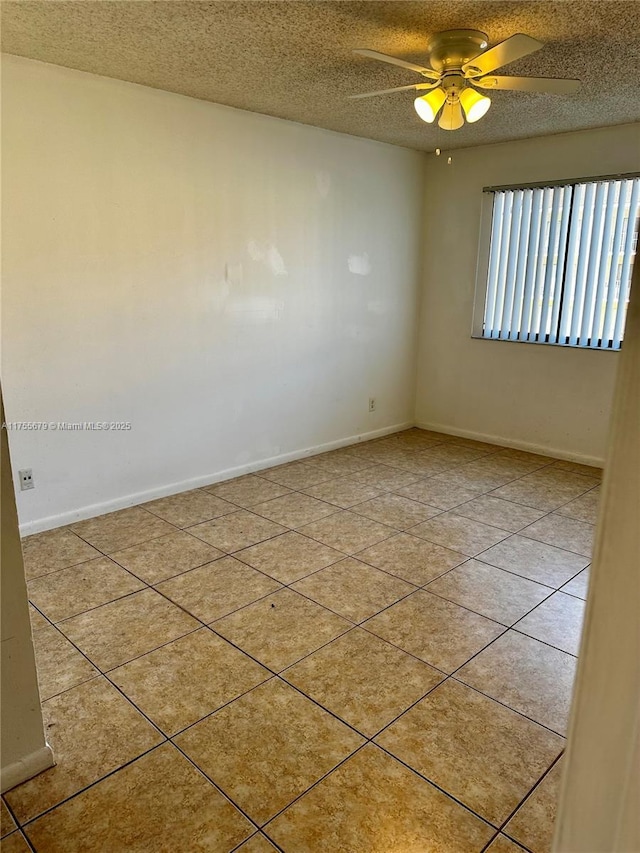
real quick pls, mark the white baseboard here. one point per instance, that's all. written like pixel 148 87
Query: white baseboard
pixel 64 518
pixel 26 768
pixel 530 447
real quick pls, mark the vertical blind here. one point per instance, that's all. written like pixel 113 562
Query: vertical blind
pixel 560 263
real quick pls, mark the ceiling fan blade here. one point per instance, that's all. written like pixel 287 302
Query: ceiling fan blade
pixel 501 54
pixel 393 60
pixel 451 117
pixel 414 86
pixel 553 85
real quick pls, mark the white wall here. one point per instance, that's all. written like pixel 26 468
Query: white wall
pixel 556 399
pixel 233 285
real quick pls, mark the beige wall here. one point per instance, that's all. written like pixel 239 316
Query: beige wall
pixel 234 286
pixel 556 399
pixel 23 749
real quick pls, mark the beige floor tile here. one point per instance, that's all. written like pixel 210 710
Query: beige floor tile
pixel 485 755
pixel 438 494
pixel 289 557
pixel 296 475
pixel 502 844
pixel 267 747
pixel 71 591
pixel 476 476
pixel 158 804
pixel 121 529
pixel 337 463
pixel 545 564
pixel 294 510
pixel 55 549
pixel 584 508
pixel 421 436
pixel 353 589
pixel 428 465
pixel 557 621
pixel 281 629
pixel 38 622
pixel 384 453
pixel 417 462
pixel 502 464
pixel 210 592
pixel 373 804
pixel 514 453
pixel 526 675
pixel 578 468
pixel 494 593
pixel 236 531
pixel 579 585
pixel 122 630
pixel 546 489
pixel 459 533
pixel 59 665
pixel 567 533
pixel 533 823
pixel 499 513
pixel 473 444
pixel 189 508
pixel 412 559
pixel 180 683
pixel 247 491
pixel 7 823
pixel 437 631
pixel 15 843
pixel 383 477
pixel 257 844
pixel 363 680
pixel 92 730
pixel 454 451
pixel 344 492
pixel 163 558
pixel 396 511
pixel 364 450
pixel 347 532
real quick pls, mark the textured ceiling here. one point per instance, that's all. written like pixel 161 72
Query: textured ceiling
pixel 293 59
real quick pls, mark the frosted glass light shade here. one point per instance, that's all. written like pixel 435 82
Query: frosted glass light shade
pixel 429 105
pixel 451 117
pixel 474 104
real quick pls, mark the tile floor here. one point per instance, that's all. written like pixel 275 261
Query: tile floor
pixel 365 651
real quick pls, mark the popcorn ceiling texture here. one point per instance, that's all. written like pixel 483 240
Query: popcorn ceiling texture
pixel 293 60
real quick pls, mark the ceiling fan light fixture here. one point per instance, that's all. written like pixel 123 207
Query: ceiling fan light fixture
pixel 428 106
pixel 474 104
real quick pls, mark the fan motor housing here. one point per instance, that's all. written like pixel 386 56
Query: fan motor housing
pixel 451 49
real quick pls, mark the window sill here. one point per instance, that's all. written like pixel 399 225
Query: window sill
pixel 545 344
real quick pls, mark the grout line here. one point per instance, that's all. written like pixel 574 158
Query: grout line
pixel 508 625
pixel 24 826
pixel 544 642
pixel 526 577
pixel 526 797
pixel 220 790
pixel 551 544
pixel 435 785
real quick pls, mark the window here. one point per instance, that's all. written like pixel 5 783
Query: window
pixel 557 262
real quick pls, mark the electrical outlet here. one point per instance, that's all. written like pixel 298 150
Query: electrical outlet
pixel 26 479
pixel 372 404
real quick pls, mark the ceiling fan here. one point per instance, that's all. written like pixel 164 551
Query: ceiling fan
pixel 459 61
